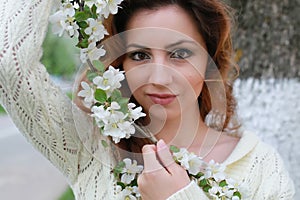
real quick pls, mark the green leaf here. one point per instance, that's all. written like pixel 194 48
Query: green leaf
pixel 134 182
pixel 81 16
pixel 83 24
pixel 200 174
pixel 118 168
pixel 2 110
pixel 206 188
pixel 203 182
pixel 123 102
pixel 223 183
pixel 91 75
pixel 174 149
pixel 237 194
pixel 87 9
pixel 67 195
pixel 121 184
pixel 100 95
pixel 83 34
pixel 83 43
pixel 116 95
pixel 94 11
pixel 104 143
pixel 99 65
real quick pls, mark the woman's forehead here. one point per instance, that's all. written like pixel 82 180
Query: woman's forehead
pixel 159 38
pixel 168 23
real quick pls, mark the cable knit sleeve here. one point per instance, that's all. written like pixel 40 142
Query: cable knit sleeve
pixel 191 192
pixel 275 182
pixel 39 108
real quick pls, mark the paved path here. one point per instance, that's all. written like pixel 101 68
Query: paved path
pixel 24 173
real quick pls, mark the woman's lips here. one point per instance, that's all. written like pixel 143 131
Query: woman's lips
pixel 162 99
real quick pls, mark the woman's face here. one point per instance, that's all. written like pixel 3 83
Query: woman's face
pixel 166 60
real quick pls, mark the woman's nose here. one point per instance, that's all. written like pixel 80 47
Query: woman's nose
pixel 160 74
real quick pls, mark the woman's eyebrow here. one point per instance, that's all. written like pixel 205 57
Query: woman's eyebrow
pixel 179 43
pixel 136 46
pixel 139 46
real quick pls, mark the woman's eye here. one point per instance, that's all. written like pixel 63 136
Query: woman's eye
pixel 181 53
pixel 139 56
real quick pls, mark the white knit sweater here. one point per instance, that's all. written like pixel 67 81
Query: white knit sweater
pixel 46 118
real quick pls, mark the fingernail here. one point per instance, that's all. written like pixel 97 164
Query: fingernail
pixel 161 144
pixel 148 148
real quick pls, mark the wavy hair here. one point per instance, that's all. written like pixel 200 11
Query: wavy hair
pixel 213 19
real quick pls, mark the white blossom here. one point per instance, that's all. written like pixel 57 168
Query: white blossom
pixel 58 22
pixel 129 193
pixel 136 191
pixel 182 157
pixel 100 4
pixel 95 30
pixel 87 93
pixel 130 170
pixel 135 113
pixel 72 28
pixel 64 21
pixel 127 127
pixel 101 83
pixel 111 7
pixel 112 122
pixel 115 106
pixel 227 192
pixel 110 80
pixel 215 190
pixel 215 170
pixel 195 164
pixel 114 131
pixel 101 115
pixel 235 198
pixel 68 9
pixel 105 7
pixel 111 128
pixel 189 161
pixel 91 52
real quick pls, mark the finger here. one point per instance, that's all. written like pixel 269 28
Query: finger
pixel 165 156
pixel 150 159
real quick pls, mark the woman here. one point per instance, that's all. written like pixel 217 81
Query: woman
pixel 167 91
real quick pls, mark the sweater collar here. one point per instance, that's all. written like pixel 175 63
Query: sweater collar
pixel 247 143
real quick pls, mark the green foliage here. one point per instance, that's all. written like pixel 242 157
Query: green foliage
pixel 237 194
pixel 174 149
pixel 104 143
pixel 118 169
pixel 70 94
pixel 223 183
pixel 116 94
pixel 81 17
pixel 2 111
pixel 203 182
pixel 100 95
pixel 197 176
pixel 60 55
pixel 67 195
pixel 91 75
pixel 123 102
pixel 99 65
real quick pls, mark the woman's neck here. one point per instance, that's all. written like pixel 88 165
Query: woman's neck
pixel 185 130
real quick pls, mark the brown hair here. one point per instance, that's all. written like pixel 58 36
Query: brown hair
pixel 214 22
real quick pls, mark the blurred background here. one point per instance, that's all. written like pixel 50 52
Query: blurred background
pixel 266 39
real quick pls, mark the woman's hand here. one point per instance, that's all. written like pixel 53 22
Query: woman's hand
pixel 161 177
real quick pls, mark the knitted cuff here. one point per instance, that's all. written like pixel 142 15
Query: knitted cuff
pixel 191 191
